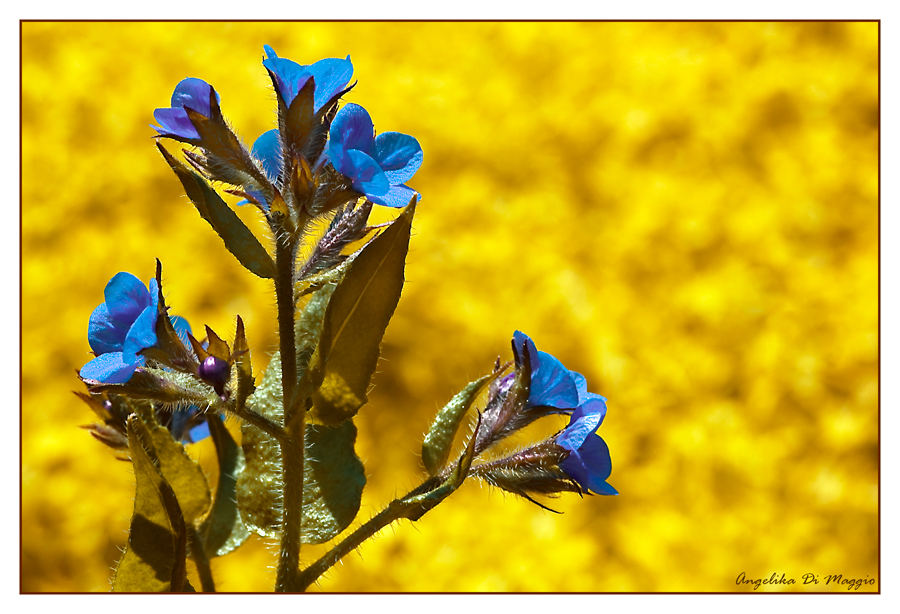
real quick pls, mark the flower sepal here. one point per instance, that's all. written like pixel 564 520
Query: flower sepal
pixel 187 425
pixel 172 389
pixel 439 487
pixel 238 238
pixel 196 119
pixel 171 335
pixel 442 433
pixel 534 470
pixel 216 361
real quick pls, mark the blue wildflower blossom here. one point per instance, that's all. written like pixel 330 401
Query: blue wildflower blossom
pixel 377 166
pixel 552 384
pixel 266 149
pixel 331 76
pixel 185 428
pixel 193 94
pixel 588 462
pixel 122 326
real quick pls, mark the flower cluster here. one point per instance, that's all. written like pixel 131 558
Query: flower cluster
pixel 376 167
pixel 190 94
pixel 541 385
pixel 122 327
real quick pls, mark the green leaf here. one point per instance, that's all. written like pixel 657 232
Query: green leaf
pixel 355 321
pixel 239 240
pixel 222 530
pixel 154 559
pixel 308 330
pixel 439 440
pixel 259 485
pixel 245 382
pixel 180 471
pixel 333 481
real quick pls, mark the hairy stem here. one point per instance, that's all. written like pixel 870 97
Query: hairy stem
pixel 262 423
pixel 292 444
pixel 412 506
pixel 198 555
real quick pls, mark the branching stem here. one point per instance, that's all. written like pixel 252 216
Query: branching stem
pixel 412 506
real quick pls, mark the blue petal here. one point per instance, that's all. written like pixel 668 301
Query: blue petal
pixel 267 149
pixel 601 487
pixel 199 432
pixel 367 176
pixel 579 430
pixel 399 155
pixel 270 53
pixel 259 197
pixel 590 466
pixel 290 77
pixel 331 75
pixel 594 405
pixel 153 287
pixel 551 384
pixel 352 128
pixel 193 93
pixel 126 297
pixel 580 384
pixel 398 197
pixel 574 466
pixel 109 368
pixel 142 334
pixel 179 423
pixel 103 334
pixel 175 122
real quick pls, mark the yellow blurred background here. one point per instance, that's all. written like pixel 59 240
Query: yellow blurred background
pixel 686 213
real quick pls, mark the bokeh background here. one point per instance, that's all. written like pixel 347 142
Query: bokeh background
pixel 686 213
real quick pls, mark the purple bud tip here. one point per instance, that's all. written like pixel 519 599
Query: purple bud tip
pixel 108 406
pixel 214 370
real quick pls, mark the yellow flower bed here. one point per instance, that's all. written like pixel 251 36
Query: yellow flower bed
pixel 687 213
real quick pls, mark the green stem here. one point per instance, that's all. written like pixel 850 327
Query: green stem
pixel 262 423
pixel 412 506
pixel 292 445
pixel 198 555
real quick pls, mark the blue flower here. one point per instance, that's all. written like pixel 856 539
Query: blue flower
pixel 122 326
pixel 192 93
pixel 588 462
pixel 266 149
pixel 331 77
pixel 552 385
pixel 377 166
pixel 189 426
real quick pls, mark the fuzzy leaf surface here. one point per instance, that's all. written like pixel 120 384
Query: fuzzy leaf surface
pixel 308 330
pixel 259 485
pixel 222 530
pixel 333 481
pixel 355 321
pixel 154 558
pixel 180 471
pixel 245 382
pixel 239 240
pixel 439 440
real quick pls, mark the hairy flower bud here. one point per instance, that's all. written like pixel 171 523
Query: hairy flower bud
pixel 216 372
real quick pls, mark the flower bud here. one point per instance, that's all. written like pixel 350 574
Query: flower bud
pixel 216 372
